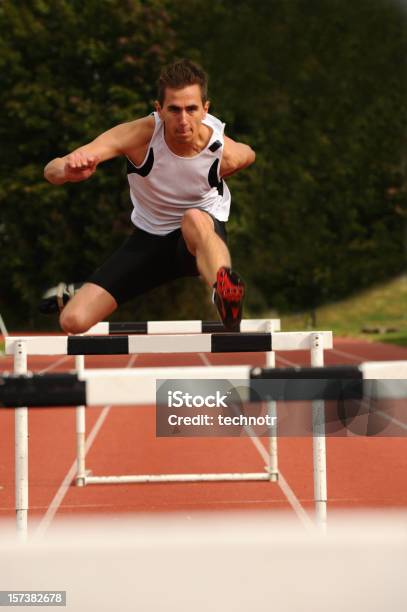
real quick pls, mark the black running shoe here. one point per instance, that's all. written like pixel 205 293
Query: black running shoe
pixel 55 298
pixel 228 294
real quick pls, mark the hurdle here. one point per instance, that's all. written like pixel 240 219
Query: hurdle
pixel 164 343
pixel 126 387
pixel 179 327
pixel 84 477
pixel 132 387
pixel 21 347
pixel 131 344
pixel 168 327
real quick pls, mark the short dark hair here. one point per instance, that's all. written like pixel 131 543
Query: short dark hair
pixel 180 74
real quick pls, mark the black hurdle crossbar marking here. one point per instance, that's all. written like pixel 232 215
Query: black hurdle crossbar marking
pixel 323 372
pixel 98 345
pixel 137 327
pixel 209 327
pixel 241 342
pixel 41 390
pixel 306 384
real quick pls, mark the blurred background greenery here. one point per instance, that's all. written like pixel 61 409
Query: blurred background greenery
pixel 319 90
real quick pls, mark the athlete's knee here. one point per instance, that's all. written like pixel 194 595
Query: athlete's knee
pixel 73 321
pixel 195 225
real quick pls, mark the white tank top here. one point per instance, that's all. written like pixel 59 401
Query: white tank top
pixel 165 185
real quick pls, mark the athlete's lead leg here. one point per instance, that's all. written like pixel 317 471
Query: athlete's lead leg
pixel 213 262
pixel 208 248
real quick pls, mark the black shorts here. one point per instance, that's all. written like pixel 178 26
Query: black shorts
pixel 145 261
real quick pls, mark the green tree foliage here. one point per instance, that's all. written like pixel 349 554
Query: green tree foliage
pixel 320 90
pixel 70 70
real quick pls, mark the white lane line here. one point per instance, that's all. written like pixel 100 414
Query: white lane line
pixel 283 484
pixel 55 364
pixel 390 418
pixel 348 355
pixel 66 483
pixel 285 487
pixel 286 361
pixel 295 503
pixel 363 404
pixel 162 506
pixel 204 358
pixel 336 351
pixel 366 405
pixel 379 412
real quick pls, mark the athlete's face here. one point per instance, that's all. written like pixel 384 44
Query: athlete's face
pixel 182 112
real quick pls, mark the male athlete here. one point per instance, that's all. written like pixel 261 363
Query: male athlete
pixel 177 158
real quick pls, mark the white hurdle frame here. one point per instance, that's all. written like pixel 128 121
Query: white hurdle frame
pixel 167 343
pixel 316 342
pixel 319 442
pixel 21 449
pixel 84 477
pixel 187 327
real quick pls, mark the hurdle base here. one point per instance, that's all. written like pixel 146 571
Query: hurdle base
pixel 159 478
pixel 80 480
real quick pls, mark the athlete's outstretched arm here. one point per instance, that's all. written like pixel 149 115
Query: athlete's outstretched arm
pixel 236 156
pixel 82 163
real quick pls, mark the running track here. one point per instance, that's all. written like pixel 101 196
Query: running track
pixel 362 472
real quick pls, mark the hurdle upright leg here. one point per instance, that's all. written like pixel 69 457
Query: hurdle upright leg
pixel 272 411
pixel 80 430
pixel 21 448
pixel 318 440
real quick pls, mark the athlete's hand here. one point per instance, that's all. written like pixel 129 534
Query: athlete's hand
pixel 79 167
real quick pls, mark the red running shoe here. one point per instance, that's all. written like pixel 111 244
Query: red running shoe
pixel 228 294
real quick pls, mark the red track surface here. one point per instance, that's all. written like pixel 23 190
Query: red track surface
pixel 362 472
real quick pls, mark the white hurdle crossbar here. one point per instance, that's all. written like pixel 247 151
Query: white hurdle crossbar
pixel 179 327
pixel 20 347
pixel 169 343
pixel 137 387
